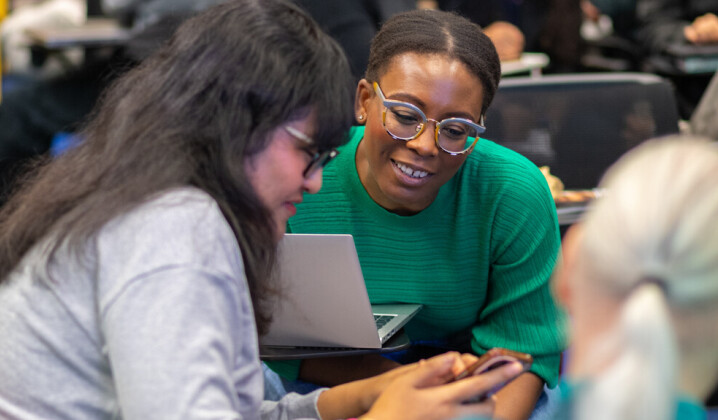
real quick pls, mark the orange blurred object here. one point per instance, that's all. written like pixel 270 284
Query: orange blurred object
pixel 3 13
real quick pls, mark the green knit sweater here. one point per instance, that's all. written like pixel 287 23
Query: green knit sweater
pixel 479 257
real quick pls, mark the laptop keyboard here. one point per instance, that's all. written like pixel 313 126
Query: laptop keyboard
pixel 381 320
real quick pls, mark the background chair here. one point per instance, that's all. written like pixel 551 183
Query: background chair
pixel 580 124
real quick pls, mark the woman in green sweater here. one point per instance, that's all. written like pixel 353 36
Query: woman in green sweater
pixel 439 216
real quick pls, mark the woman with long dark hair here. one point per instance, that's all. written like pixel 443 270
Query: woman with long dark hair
pixel 136 268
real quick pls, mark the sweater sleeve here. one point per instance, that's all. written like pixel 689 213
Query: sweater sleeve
pixel 520 312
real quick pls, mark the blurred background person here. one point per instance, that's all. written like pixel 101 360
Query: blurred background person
pixel 663 25
pixel 666 22
pixel 353 23
pixel 549 26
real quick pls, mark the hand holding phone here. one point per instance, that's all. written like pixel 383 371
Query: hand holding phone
pixel 493 359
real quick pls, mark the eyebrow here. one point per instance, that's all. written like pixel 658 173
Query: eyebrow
pixel 407 97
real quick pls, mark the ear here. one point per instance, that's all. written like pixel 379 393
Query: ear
pixel 565 273
pixel 364 92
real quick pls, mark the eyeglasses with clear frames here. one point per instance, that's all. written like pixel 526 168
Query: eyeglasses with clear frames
pixel 319 159
pixel 405 121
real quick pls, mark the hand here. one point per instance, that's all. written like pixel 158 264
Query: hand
pixel 371 388
pixel 507 38
pixel 590 11
pixel 421 390
pixel 427 4
pixel 703 30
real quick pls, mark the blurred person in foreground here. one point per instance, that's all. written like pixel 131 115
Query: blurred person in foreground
pixel 640 280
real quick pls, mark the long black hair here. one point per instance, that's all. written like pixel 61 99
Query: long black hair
pixel 437 32
pixel 189 115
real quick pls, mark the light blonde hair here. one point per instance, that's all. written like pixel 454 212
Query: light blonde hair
pixel 652 242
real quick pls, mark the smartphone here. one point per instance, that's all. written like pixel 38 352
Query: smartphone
pixel 493 359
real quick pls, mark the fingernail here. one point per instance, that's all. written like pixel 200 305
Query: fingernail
pixel 515 368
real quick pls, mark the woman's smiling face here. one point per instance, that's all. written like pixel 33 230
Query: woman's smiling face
pixel 404 177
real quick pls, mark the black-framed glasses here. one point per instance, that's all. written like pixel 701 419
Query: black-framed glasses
pixel 405 121
pixel 319 159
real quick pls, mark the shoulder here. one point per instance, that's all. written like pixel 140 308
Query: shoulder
pixel 500 167
pixel 166 211
pixel 178 227
pixel 508 185
pixel 488 153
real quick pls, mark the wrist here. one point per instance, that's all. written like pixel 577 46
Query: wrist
pixel 370 389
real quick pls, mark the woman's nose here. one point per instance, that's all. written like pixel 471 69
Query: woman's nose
pixel 313 183
pixel 424 144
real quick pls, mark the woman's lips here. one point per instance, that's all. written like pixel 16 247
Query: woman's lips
pixel 410 174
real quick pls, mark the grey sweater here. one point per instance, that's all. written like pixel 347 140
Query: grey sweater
pixel 155 322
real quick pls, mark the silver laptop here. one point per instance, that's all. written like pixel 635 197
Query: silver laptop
pixel 324 299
